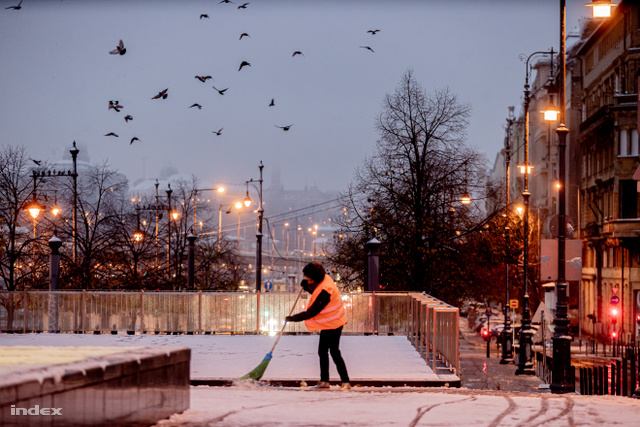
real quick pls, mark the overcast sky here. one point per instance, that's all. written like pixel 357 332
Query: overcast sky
pixel 57 78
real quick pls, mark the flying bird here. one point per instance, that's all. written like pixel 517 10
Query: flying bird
pixel 220 91
pixel 243 64
pixel 272 103
pixel 120 49
pixel 243 6
pixel 162 94
pixel 285 128
pixel 135 138
pixel 196 105
pixel 368 48
pixel 225 1
pixel 373 32
pixel 244 35
pixel 297 52
pixel 111 134
pixel 128 117
pixel 115 105
pixel 18 7
pixel 37 162
pixel 204 15
pixel 203 78
pixel 219 132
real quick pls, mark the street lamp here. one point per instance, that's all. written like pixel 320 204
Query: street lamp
pixel 42 174
pixel 561 376
pixel 195 203
pixel 34 208
pixel 247 203
pixel 601 9
pixel 525 364
pixel 507 344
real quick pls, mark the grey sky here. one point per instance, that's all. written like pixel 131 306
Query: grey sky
pixel 57 78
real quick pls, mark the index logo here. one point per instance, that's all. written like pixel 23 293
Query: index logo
pixel 36 410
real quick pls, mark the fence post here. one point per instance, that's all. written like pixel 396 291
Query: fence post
pixel 54 275
pixel 191 238
pixel 373 263
pixel 200 312
pixel 26 308
pixel 618 376
pixel 634 377
pixel 625 373
pixel 141 311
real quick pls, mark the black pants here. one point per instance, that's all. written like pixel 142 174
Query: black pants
pixel 330 343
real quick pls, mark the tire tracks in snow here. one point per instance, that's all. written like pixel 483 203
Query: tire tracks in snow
pixel 424 409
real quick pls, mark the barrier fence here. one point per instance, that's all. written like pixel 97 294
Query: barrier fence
pixel 432 328
pixel 421 318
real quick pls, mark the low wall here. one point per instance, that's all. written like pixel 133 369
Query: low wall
pixel 92 386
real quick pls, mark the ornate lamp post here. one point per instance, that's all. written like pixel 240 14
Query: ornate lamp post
pixel 507 344
pixel 561 375
pixel 525 364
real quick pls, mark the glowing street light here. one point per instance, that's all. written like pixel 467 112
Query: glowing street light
pixel 601 8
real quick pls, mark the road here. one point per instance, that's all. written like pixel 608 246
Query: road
pixel 481 373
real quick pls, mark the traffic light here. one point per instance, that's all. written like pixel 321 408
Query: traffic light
pixel 485 333
pixel 614 334
pixel 614 314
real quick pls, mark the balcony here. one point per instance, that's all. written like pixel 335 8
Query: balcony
pixel 625 228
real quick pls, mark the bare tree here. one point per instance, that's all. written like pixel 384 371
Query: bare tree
pixel 100 192
pixel 18 244
pixel 404 192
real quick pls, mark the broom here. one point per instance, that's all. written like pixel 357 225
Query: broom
pixel 258 371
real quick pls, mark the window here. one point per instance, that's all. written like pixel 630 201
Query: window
pixel 628 146
pixel 628 199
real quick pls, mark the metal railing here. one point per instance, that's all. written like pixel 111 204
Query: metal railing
pixel 433 331
pixel 187 312
pixel 430 324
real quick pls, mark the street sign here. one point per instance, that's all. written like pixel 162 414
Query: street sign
pixel 614 299
pixel 513 303
pixel 615 290
pixel 268 285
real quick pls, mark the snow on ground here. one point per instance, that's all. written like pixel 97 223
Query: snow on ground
pixel 266 406
pixel 218 356
pixel 230 357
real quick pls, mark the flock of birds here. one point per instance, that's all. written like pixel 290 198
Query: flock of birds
pixel 120 50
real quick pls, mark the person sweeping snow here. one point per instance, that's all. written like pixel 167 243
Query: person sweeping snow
pixel 325 313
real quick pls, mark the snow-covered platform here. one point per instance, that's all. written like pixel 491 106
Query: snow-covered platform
pixel 46 384
pixel 221 359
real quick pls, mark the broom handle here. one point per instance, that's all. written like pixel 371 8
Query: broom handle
pixel 285 323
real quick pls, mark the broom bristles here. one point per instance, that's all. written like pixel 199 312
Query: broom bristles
pixel 258 371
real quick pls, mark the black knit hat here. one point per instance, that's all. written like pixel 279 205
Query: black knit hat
pixel 314 271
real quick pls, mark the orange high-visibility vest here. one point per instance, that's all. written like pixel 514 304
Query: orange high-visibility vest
pixel 333 315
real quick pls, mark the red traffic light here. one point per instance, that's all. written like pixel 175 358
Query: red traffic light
pixel 614 311
pixel 485 333
pixel 614 334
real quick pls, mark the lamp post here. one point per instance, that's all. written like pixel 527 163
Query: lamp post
pixel 561 375
pixel 42 174
pixel 525 365
pixel 195 204
pixel 74 157
pixel 259 233
pixel 561 379
pixel 507 344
